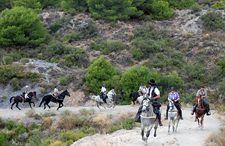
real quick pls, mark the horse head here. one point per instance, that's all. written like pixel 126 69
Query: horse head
pixel 111 93
pixel 171 104
pixel 31 94
pixel 67 93
pixel 145 105
pixel 199 100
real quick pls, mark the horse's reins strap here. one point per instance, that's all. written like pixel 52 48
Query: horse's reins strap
pixel 147 117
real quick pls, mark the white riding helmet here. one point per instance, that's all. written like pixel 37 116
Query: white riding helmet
pixel 27 86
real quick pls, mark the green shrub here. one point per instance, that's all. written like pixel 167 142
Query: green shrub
pixel 33 4
pixel 42 90
pixel 99 72
pixel 71 37
pixel 113 24
pixel 87 131
pixel 10 125
pixel 32 76
pixel 25 60
pixel 207 2
pixel 50 3
pixel 218 4
pixel 4 4
pixel 149 41
pixel 77 5
pixel 127 124
pixel 113 10
pixel 69 135
pixel 131 80
pixel 33 126
pixel 57 25
pixel 15 55
pixel 20 128
pixel 188 98
pixel 8 60
pixel 4 97
pixel 3 139
pixel 15 84
pixel 107 46
pixel 63 81
pixel 213 21
pixel 9 71
pixel 182 4
pixel 195 8
pixel 171 80
pixel 14 31
pixel 160 10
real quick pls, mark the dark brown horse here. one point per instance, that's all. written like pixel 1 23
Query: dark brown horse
pixel 135 95
pixel 19 98
pixel 200 110
pixel 46 99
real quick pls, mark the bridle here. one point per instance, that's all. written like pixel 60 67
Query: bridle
pixel 147 110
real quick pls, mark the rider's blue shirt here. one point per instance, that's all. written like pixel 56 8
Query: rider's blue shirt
pixel 174 96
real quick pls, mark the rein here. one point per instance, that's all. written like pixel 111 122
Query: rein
pixel 147 117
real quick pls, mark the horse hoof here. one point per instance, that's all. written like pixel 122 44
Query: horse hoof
pixel 155 135
pixel 143 138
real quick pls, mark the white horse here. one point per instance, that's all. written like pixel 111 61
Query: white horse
pixel 173 115
pixel 148 118
pixel 109 100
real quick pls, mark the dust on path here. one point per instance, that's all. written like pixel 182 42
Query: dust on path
pixel 188 132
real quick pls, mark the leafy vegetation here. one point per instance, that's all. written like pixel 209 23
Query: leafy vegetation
pixel 195 8
pixel 14 31
pixel 218 4
pixel 33 4
pixel 213 21
pixel 99 72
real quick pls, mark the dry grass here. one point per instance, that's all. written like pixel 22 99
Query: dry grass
pixel 47 123
pixel 125 115
pixel 30 113
pixel 68 122
pixel 216 139
pixel 102 120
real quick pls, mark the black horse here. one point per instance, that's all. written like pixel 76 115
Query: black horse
pixel 49 98
pixel 135 95
pixel 19 98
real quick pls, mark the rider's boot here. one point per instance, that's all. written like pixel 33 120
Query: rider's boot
pixel 138 118
pixel 181 117
pixel 166 118
pixel 208 110
pixel 159 118
pixel 194 109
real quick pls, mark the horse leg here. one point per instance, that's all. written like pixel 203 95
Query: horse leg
pixel 148 132
pixel 177 124
pixel 142 132
pixel 98 106
pixel 30 105
pixel 12 105
pixel 168 125
pixel 174 124
pixel 17 106
pixel 202 121
pixel 155 128
pixel 33 104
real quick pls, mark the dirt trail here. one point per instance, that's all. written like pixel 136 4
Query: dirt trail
pixel 188 131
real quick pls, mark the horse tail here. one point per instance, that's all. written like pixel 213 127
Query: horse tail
pixel 42 101
pixel 11 99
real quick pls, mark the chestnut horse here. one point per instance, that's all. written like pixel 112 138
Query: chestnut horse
pixel 200 110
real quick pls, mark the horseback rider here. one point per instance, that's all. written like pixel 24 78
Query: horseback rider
pixel 174 96
pixel 203 93
pixel 56 92
pixel 145 90
pixel 154 94
pixel 103 93
pixel 140 90
pixel 26 92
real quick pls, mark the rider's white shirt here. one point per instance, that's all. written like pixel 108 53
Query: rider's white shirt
pixel 56 91
pixel 156 91
pixel 103 89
